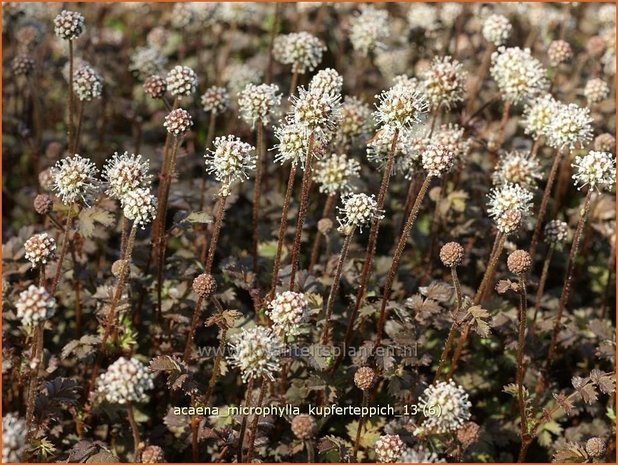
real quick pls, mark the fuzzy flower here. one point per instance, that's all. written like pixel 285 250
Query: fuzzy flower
pixel 517 168
pixel 327 81
pixel 40 249
pixel 423 15
pixel 124 173
pixel 497 29
pixel 452 137
pixel 181 81
pixel 216 100
pixel 14 433
pixel 595 169
pixel 389 448
pixel 508 198
pixel 230 161
pixel 315 114
pixel 419 454
pixel 126 380
pixel 556 232
pixel 288 311
pixel 518 74
pixel 596 91
pixel 569 126
pixel 75 179
pixel 355 121
pixel 538 114
pixel 369 29
pixel 139 205
pixel 238 75
pixel 437 160
pixel 68 25
pixel 559 51
pixel 444 82
pixel 155 86
pixel 292 144
pixel 35 306
pixel 300 49
pixel 335 173
pixel 22 65
pixel 605 142
pixel 407 155
pixel 450 406
pixel 178 121
pixel 400 107
pixel 87 83
pixel 146 61
pixel 358 210
pixel 258 102
pixel 256 352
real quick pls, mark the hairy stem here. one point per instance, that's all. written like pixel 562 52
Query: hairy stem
pixel 326 213
pixel 194 322
pixel 541 289
pixel 454 327
pixel 209 137
pixel 257 191
pixel 361 423
pixel 70 103
pixel 134 430
pixel 254 423
pixel 63 250
pixel 523 311
pixel 215 233
pixel 215 369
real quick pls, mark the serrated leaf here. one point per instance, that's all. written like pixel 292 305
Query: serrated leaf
pixel 198 217
pixel 89 217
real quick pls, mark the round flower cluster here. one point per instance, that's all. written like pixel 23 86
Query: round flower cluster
pixel 152 454
pixel 35 306
pixel 22 65
pixel 216 100
pixel 155 86
pixel 605 142
pixel 596 90
pixel 419 454
pixel 559 51
pixel 124 173
pixel 422 15
pixel 444 82
pixel 126 380
pixel 230 161
pixel 40 249
pixel 139 205
pixel 258 102
pixel 43 204
pixel 181 81
pixel 451 254
pixel 204 285
pixel 364 378
pixel 407 153
pixel 327 81
pixel 292 144
pixel 303 426
pixel 497 29
pixel 68 25
pixel 518 74
pixel 569 126
pixel 355 120
pixel 437 160
pixel 556 232
pixel 517 168
pixel 596 447
pixel 451 404
pixel 178 121
pixel 256 352
pixel 300 49
pixel 389 448
pixel 368 29
pixel 87 83
pixel 335 173
pixel 74 179
pixel 538 115
pixel 508 203
pixel 595 169
pixel 519 262
pixel 288 311
pixel 14 433
pixel 236 76
pixel 452 137
pixel 146 61
pixel 400 107
pixel 316 114
pixel 358 210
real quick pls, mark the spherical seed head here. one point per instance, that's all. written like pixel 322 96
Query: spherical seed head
pixel 292 144
pixel 336 173
pixel 139 205
pixel 43 204
pixel 259 102
pixel 596 447
pixel 605 142
pixel 288 311
pixel 22 65
pixel 216 100
pixel 595 169
pixel 596 90
pixel 559 51
pixel 400 107
pixel 123 173
pixel 118 266
pixel 75 179
pixel 519 262
pixel 444 82
pixel 325 226
pixel 68 25
pixel 364 378
pixel 35 305
pixel 315 113
pixel 303 426
pixel 126 380
pixel 147 61
pixel 569 126
pixel 389 448
pixel 518 74
pixel 178 121
pixel 300 49
pixel 87 83
pixel 497 29
pixel 355 120
pixel 508 197
pixel 468 434
pixel 40 249
pixel 508 221
pixel 14 434
pixel 155 86
pixel 437 160
pixel 256 352
pixel 152 454
pixel 358 210
pixel 556 232
pixel 327 81
pixel 451 254
pixel 451 401
pixel 231 161
pixel 181 81
pixel 517 168
pixel 204 285
pixel 538 115
pixel 369 29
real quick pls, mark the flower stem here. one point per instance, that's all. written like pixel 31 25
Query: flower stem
pixel 541 289
pixel 257 191
pixel 215 369
pixel 273 34
pixel 78 131
pixel 209 137
pixel 454 327
pixel 326 213
pixel 70 103
pixel 194 322
pixel 361 423
pixel 134 430
pixel 63 250
pixel 254 423
pixel 523 311
pixel 215 233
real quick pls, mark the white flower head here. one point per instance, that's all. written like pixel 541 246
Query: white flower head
pixel 216 100
pixel 139 205
pixel 336 173
pixel 368 29
pixel 570 126
pixel 87 83
pixel 181 81
pixel 292 144
pixel 75 179
pixel 452 137
pixel 451 405
pixel 256 352
pixel 595 169
pixel 355 121
pixel 444 82
pixel 126 380
pixel 40 249
pixel 14 434
pixel 509 197
pixel 230 161
pixel 407 153
pixel 327 81
pixel 497 29
pixel 35 305
pixel 123 173
pixel 288 311
pixel 358 210
pixel 518 74
pixel 517 168
pixel 401 107
pixel 538 114
pixel 437 159
pixel 258 102
pixel 315 113
pixel 300 49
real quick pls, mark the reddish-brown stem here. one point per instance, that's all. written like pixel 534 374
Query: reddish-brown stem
pixel 243 423
pixel 454 327
pixel 78 131
pixel 194 322
pixel 134 430
pixel 541 289
pixel 63 250
pixel 70 104
pixel 254 422
pixel 256 192
pixel 215 233
pixel 326 213
pixel 523 311
pixel 215 369
pixel 293 84
pixel 361 423
pixel 209 137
